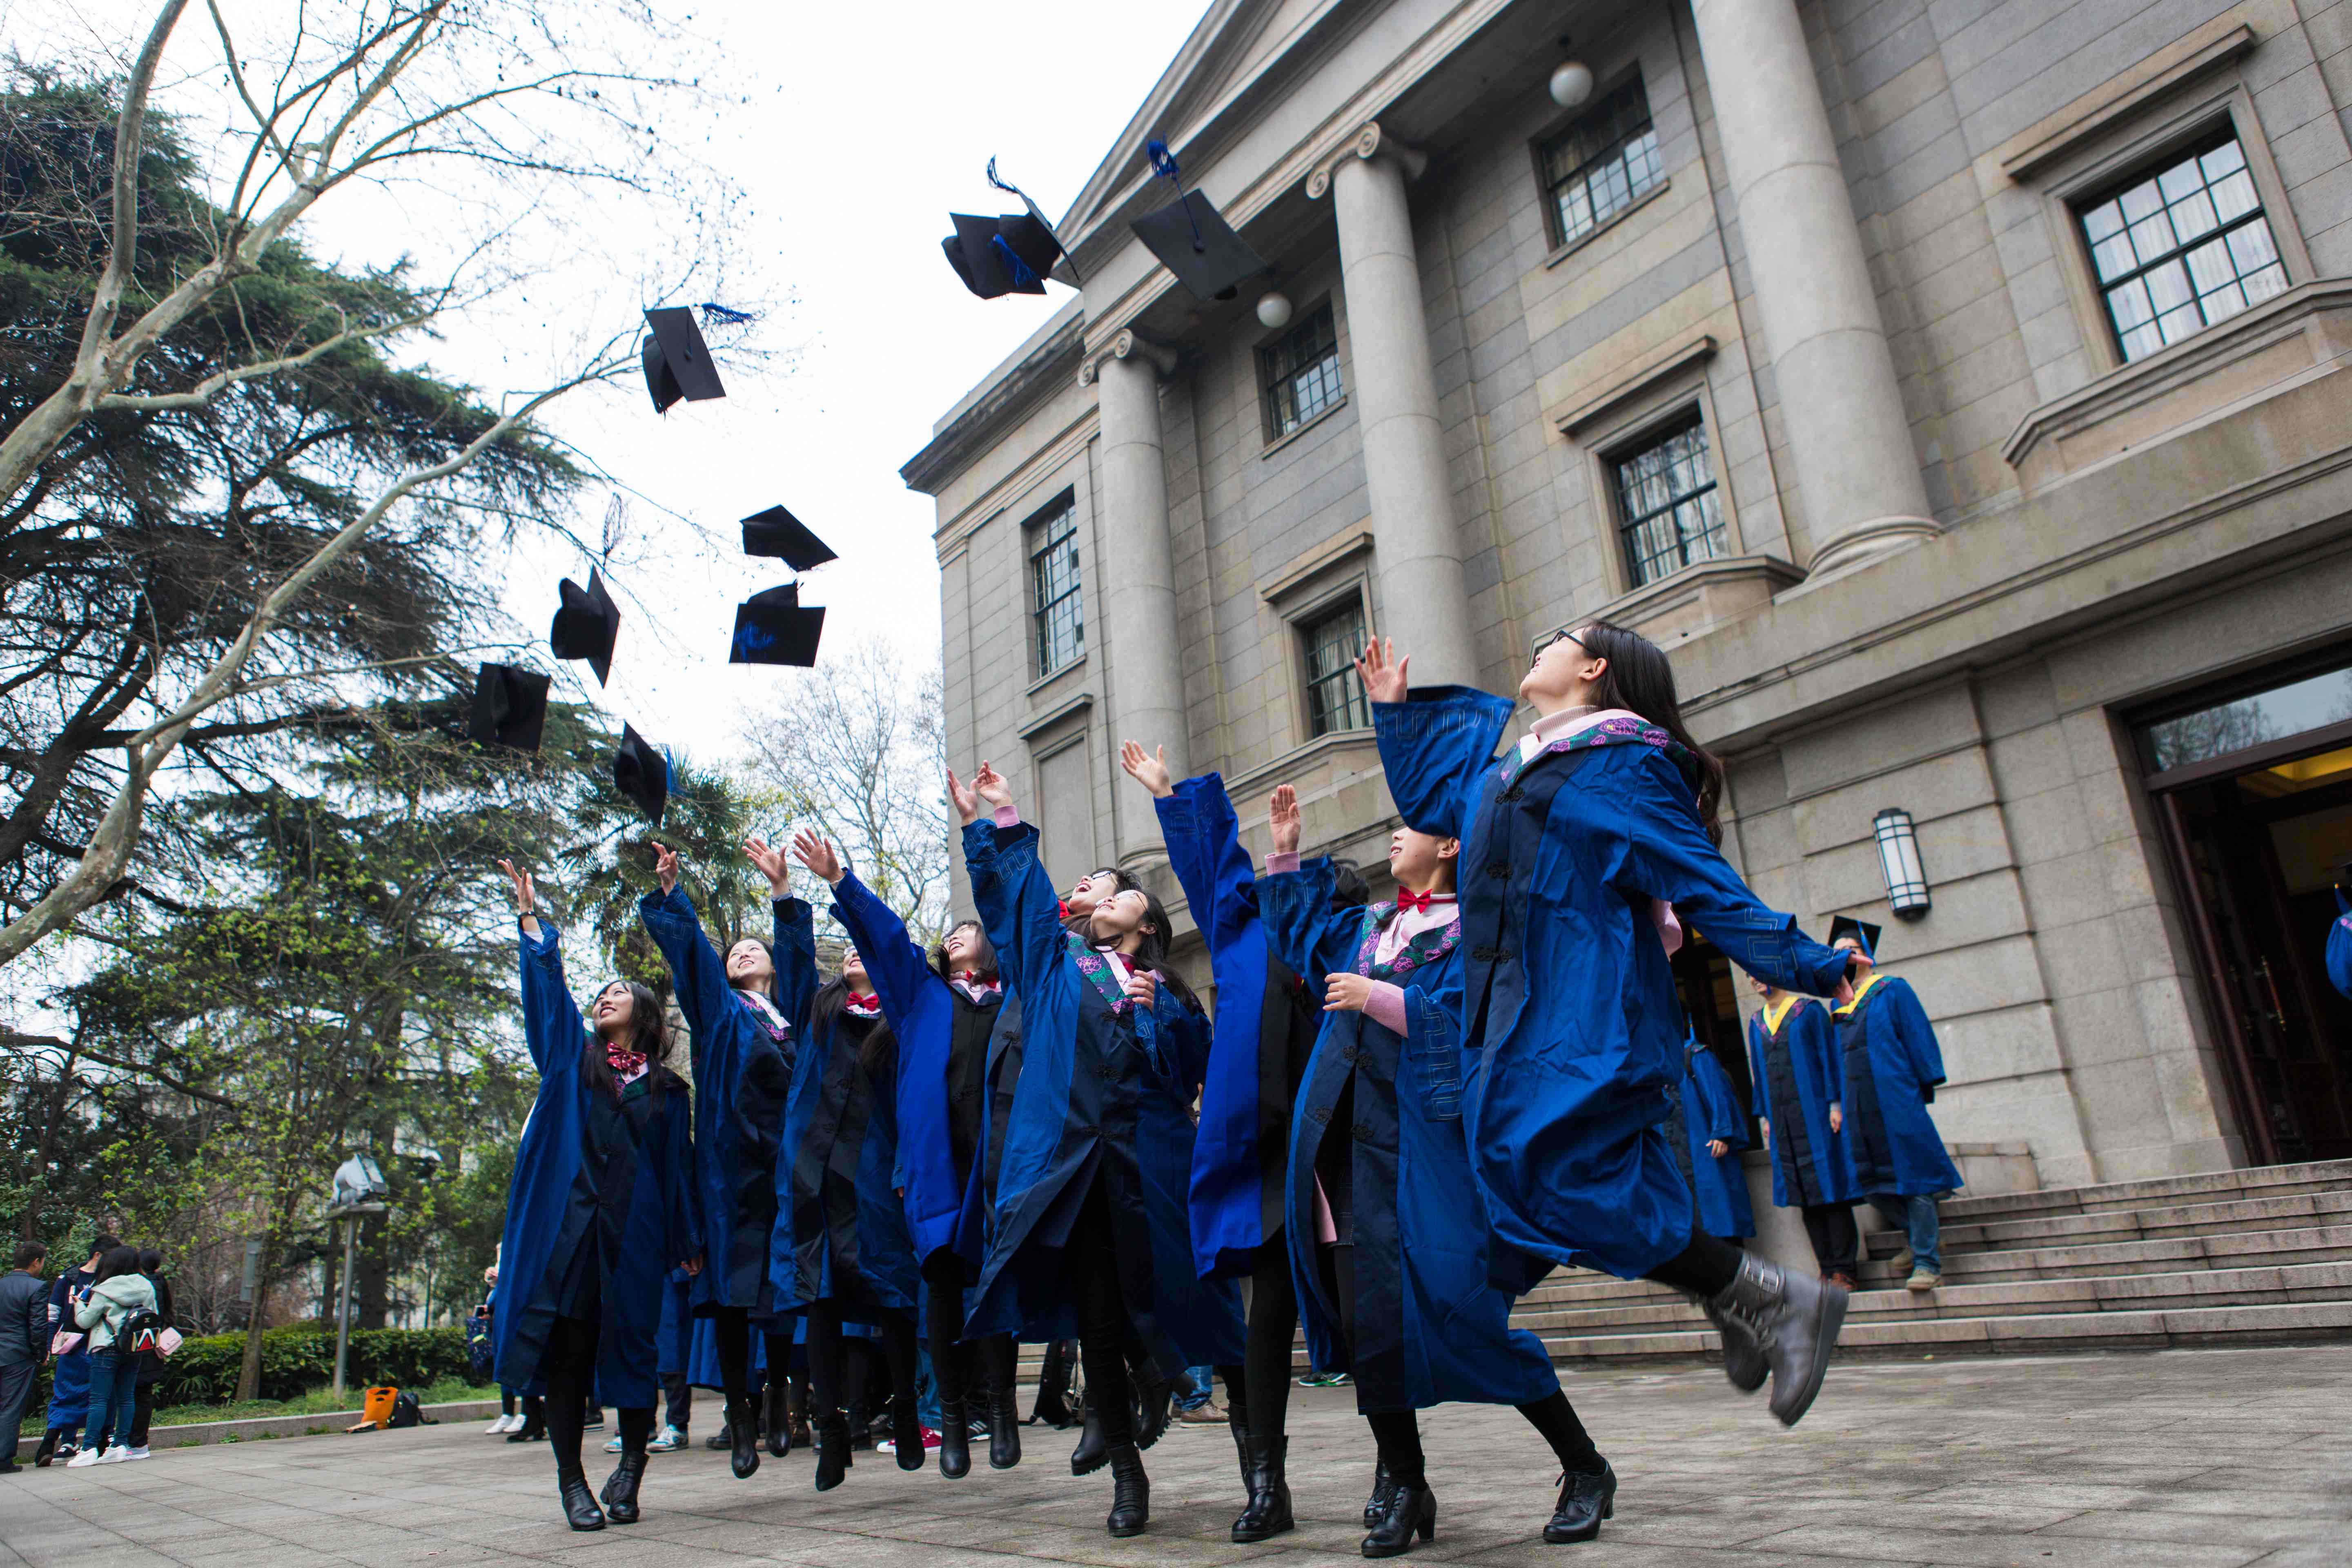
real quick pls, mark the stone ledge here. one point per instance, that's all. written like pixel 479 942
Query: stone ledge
pixel 196 1433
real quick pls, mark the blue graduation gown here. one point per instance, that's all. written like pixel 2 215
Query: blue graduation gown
pixel 930 1016
pixel 674 1342
pixel 742 1074
pixel 2339 946
pixel 641 1220
pixel 1707 1111
pixel 1263 1034
pixel 1798 1073
pixel 1430 1327
pixel 1568 1002
pixel 1092 1083
pixel 1887 1052
pixel 68 1373
pixel 999 1085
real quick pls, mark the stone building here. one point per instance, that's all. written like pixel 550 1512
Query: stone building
pixel 1950 386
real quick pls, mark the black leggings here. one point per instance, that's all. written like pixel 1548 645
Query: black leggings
pixel 1705 1267
pixel 1837 1245
pixel 1090 1277
pixel 829 1356
pixel 1259 1399
pixel 954 1359
pixel 569 1365
pixel 732 1329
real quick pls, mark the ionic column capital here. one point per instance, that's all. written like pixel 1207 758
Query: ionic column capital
pixel 1368 142
pixel 1127 343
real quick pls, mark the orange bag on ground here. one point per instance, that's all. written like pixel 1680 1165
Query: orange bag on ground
pixel 376 1410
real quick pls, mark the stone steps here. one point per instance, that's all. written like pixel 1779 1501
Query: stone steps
pixel 2213 1186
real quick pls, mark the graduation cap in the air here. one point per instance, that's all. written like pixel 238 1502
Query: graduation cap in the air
pixel 778 532
pixel 677 361
pixel 1860 930
pixel 586 625
pixel 510 707
pixel 642 774
pixel 1194 240
pixel 999 256
pixel 774 627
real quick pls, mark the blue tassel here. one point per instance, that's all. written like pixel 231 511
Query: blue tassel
pixel 1163 163
pixel 717 315
pixel 1020 268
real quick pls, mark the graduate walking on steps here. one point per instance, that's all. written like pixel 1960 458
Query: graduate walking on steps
pixel 1577 842
pixel 745 1025
pixel 1706 1132
pixel 943 1009
pixel 1793 1062
pixel 600 1210
pixel 1388 1238
pixel 1887 1051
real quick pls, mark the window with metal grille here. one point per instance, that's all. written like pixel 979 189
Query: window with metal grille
pixel 1602 164
pixel 1055 614
pixel 1335 697
pixel 1301 373
pixel 1666 502
pixel 2182 247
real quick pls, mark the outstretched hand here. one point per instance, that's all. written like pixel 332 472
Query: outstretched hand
pixel 665 866
pixel 961 796
pixel 1381 671
pixel 526 897
pixel 990 785
pixel 818 855
pixel 770 862
pixel 1150 770
pixel 1282 815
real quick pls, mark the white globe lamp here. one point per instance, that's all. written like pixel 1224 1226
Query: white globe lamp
pixel 1571 84
pixel 1274 309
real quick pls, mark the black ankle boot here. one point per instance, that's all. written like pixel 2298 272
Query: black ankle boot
pixel 621 1490
pixel 955 1441
pixel 779 1420
pixel 743 1436
pixel 906 1435
pixel 1376 1508
pixel 1586 1499
pixel 1004 1431
pixel 861 1427
pixel 580 1510
pixel 1411 1510
pixel 832 1460
pixel 1249 1476
pixel 1269 1513
pixel 1152 1398
pixel 1094 1449
pixel 796 1420
pixel 1130 1501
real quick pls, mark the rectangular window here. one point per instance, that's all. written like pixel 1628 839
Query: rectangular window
pixel 1666 502
pixel 1301 373
pixel 2182 247
pixel 1335 695
pixel 1055 611
pixel 1602 164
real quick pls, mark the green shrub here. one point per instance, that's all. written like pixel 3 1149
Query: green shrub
pixel 298 1359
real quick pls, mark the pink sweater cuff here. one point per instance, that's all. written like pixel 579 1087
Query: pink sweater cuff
pixel 1008 816
pixel 1275 865
pixel 1386 1005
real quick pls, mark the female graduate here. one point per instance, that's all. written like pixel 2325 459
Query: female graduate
pixel 942 1017
pixel 1568 1004
pixel 841 1251
pixel 744 1022
pixel 1388 1239
pixel 600 1210
pixel 1083 1211
pixel 1707 1132
pixel 1887 1051
pixel 1263 1034
pixel 1800 1078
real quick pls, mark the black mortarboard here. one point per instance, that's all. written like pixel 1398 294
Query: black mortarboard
pixel 510 707
pixel 1862 930
pixel 642 774
pixel 1192 239
pixel 586 625
pixel 773 627
pixel 677 359
pixel 776 532
pixel 997 256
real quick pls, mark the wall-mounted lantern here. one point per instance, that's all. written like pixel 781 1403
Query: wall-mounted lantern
pixel 1899 861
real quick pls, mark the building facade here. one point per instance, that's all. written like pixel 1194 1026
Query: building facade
pixel 1951 386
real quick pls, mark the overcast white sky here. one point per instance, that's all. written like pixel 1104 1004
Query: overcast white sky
pixel 865 125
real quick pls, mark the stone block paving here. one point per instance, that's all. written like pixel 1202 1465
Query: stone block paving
pixel 2199 1459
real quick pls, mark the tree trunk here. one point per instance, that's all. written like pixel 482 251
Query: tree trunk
pixel 248 1371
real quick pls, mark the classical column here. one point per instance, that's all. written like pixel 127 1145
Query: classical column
pixel 1142 642
pixel 1424 604
pixel 1838 396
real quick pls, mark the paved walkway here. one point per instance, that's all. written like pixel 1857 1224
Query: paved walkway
pixel 2211 1458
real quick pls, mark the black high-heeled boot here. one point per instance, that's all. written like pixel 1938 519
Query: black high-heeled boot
pixel 1249 1477
pixel 1093 1448
pixel 832 1460
pixel 778 1418
pixel 796 1417
pixel 580 1510
pixel 1411 1510
pixel 1052 1406
pixel 955 1441
pixel 906 1435
pixel 1586 1498
pixel 1130 1500
pixel 620 1495
pixel 1383 1487
pixel 743 1434
pixel 861 1426
pixel 1004 1431
pixel 1268 1514
pixel 1152 1395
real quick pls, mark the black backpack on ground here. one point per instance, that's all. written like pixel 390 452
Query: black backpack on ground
pixel 406 1412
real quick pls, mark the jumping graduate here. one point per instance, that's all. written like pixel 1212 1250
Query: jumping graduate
pixel 1604 813
pixel 1794 1065
pixel 1264 1032
pixel 600 1210
pixel 1388 1238
pixel 744 1022
pixel 942 1015
pixel 1090 1204
pixel 1887 1051
pixel 1707 1132
pixel 843 1252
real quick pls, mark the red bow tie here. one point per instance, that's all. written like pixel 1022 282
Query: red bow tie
pixel 624 1062
pixel 1419 903
pixel 864 1007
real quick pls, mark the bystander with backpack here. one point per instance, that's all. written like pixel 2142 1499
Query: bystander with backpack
pixel 150 1360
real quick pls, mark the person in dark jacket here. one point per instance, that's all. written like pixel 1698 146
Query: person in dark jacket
pixel 600 1210
pixel 24 1343
pixel 150 1364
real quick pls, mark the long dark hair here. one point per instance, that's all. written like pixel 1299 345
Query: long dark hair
pixel 1348 888
pixel 877 1053
pixel 151 1264
pixel 647 1035
pixel 117 1260
pixel 1152 953
pixel 1638 678
pixel 987 957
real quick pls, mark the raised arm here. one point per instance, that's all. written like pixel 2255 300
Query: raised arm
pixel 551 1025
pixel 900 970
pixel 1015 897
pixel 699 974
pixel 1435 742
pixel 1302 929
pixel 1204 849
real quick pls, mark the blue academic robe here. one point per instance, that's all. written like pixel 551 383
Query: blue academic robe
pixel 1798 1073
pixel 1431 1326
pixel 742 1074
pixel 1708 1110
pixel 1888 1055
pixel 2339 945
pixel 1263 1033
pixel 674 1341
pixel 1094 1101
pixel 1568 1002
pixel 641 1218
pixel 1056 1320
pixel 68 1373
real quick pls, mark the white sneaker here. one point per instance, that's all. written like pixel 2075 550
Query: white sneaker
pixel 85 1459
pixel 614 1447
pixel 139 1453
pixel 669 1441
pixel 498 1424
